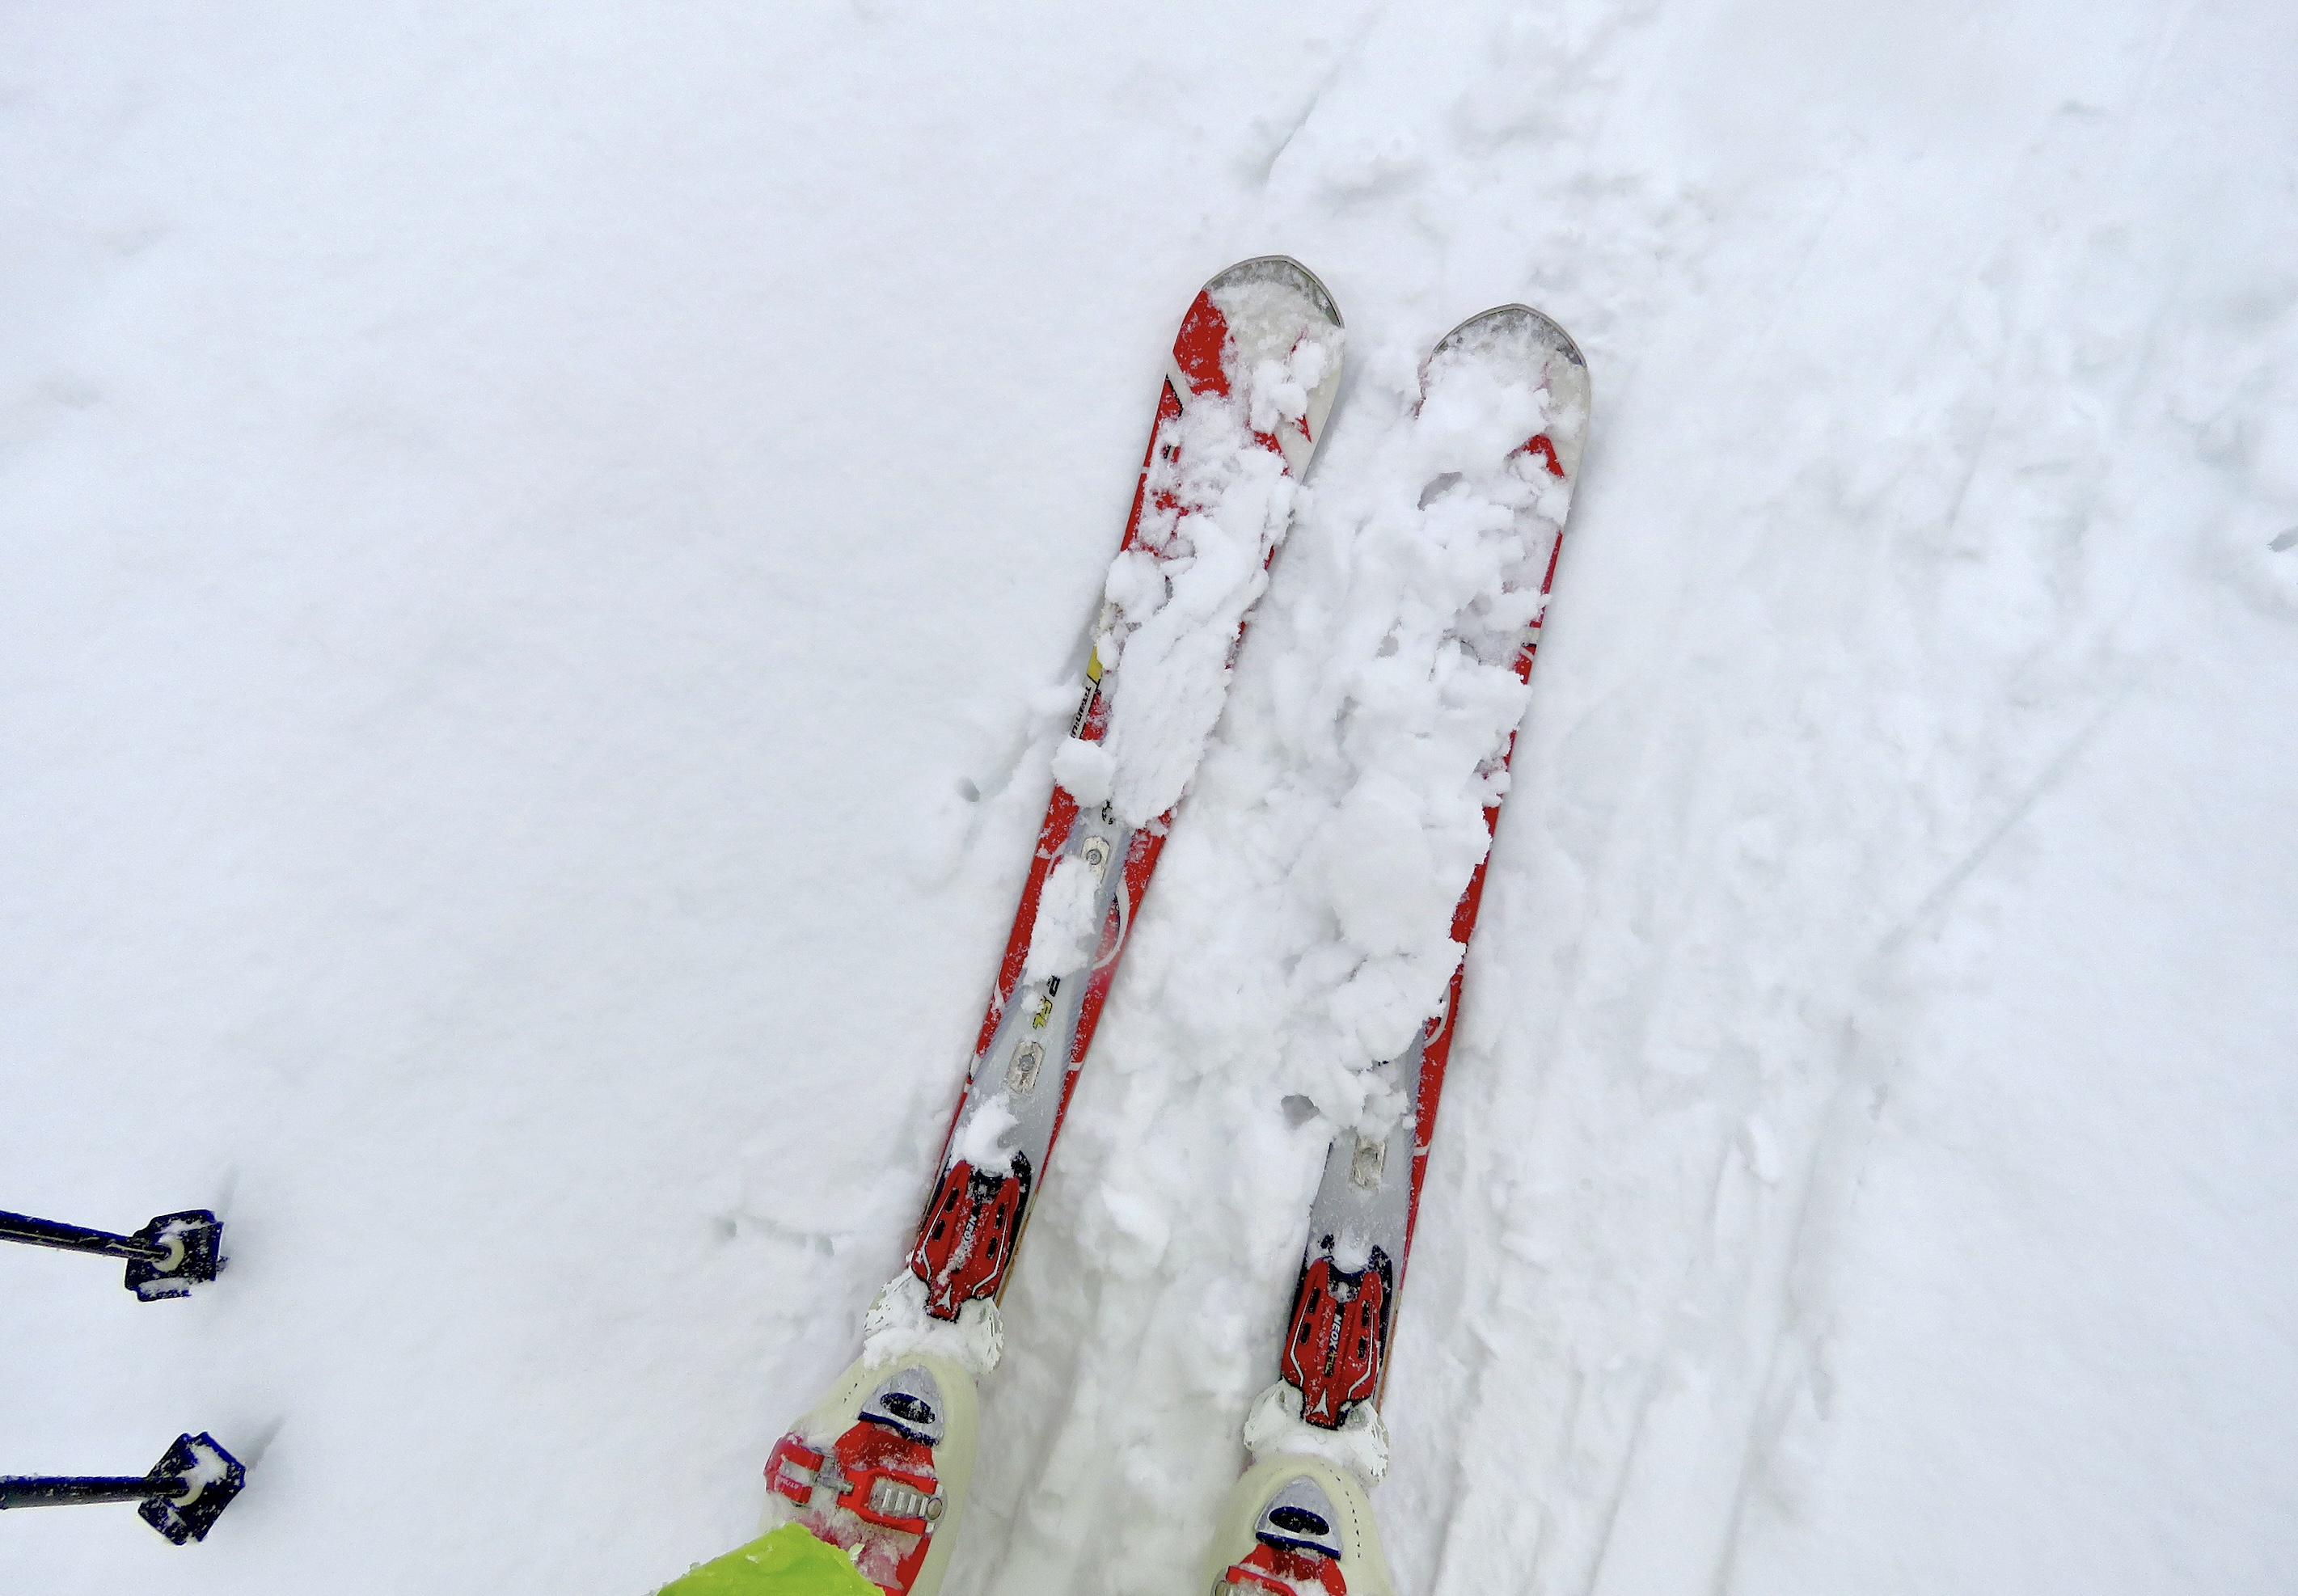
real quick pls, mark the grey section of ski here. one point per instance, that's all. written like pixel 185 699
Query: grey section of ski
pixel 1365 1199
pixel 1027 1061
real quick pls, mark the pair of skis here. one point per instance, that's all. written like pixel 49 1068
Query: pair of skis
pixel 866 1492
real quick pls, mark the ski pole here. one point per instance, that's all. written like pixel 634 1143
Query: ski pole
pixel 181 1497
pixel 165 1259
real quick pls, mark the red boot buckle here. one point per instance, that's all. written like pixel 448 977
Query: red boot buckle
pixel 793 1468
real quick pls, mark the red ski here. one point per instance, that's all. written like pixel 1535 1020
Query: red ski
pixel 879 1470
pixel 1300 1522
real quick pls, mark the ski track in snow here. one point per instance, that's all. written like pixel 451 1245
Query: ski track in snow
pixel 541 582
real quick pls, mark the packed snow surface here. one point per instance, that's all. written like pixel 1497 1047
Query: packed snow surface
pixel 548 549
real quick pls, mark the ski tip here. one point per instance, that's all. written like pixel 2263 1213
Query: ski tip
pixel 212 1477
pixel 1285 270
pixel 1505 323
pixel 1520 336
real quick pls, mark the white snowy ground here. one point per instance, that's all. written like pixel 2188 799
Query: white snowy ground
pixel 540 545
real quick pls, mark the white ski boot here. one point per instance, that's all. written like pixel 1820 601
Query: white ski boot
pixel 880 1469
pixel 1298 1525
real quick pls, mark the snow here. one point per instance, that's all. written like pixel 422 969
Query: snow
pixel 1066 930
pixel 898 1326
pixel 1432 549
pixel 979 1138
pixel 547 551
pixel 1274 1427
pixel 1085 769
pixel 207 1469
pixel 1214 508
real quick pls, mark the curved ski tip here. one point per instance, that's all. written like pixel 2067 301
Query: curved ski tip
pixel 1285 270
pixel 1501 321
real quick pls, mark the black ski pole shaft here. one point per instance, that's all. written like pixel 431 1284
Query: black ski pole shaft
pixel 180 1498
pixel 165 1259
pixel 77 1238
pixel 72 1490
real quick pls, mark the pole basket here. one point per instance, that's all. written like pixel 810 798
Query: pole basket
pixel 211 1476
pixel 193 1242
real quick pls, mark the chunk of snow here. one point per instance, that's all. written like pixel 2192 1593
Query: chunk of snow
pixel 898 1326
pixel 1213 512
pixel 1084 769
pixel 1067 929
pixel 1274 1427
pixel 980 1141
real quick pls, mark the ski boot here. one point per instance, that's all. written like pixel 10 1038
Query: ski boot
pixel 876 1474
pixel 1298 1525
